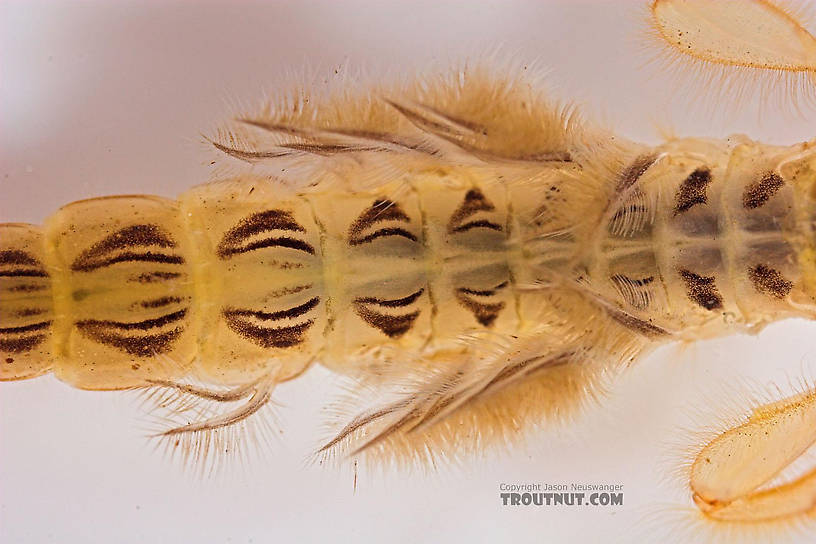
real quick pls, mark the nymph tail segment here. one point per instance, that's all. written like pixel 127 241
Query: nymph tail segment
pixel 26 303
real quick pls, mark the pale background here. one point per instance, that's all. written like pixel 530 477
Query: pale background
pixel 111 97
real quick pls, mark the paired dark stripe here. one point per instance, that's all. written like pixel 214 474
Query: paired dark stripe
pixel 283 291
pixel 392 326
pixel 702 290
pixel 147 345
pixel 16 256
pixel 137 326
pixel 160 302
pixel 26 328
pixel 102 254
pixel 482 223
pixel 379 211
pixel 485 312
pixel 396 303
pixel 389 231
pixel 283 241
pixel 154 277
pixel 127 257
pixel 28 265
pixel 140 346
pixel 291 313
pixel 769 281
pixel 24 273
pixel 21 345
pixel 27 341
pixel 759 192
pixel 473 203
pixel 27 288
pixel 693 190
pixel 279 337
pixel 271 337
pixel 485 292
pixel 29 312
pixel 265 221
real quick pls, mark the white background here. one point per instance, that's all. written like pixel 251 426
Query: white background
pixel 111 97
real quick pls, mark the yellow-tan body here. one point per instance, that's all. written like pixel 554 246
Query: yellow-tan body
pixel 462 242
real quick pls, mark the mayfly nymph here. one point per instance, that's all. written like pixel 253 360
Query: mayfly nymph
pixel 464 244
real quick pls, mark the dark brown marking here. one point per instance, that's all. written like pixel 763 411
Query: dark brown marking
pixel 769 281
pixel 269 220
pixel 160 302
pixel 27 288
pixel 283 241
pixel 485 292
pixel 481 223
pixel 632 174
pixel 262 222
pixel 280 337
pixel 693 190
pixel 16 256
pixel 759 192
pixel 148 345
pixel 137 326
pixel 27 265
pixel 29 312
pixel 125 257
pixel 702 290
pixel 289 290
pixel 140 346
pixel 26 328
pixel 380 210
pixel 473 203
pixel 392 326
pixel 396 303
pixel 388 231
pixel 291 313
pixel 485 313
pixel 27 341
pixel 21 345
pixel 24 273
pixel 101 254
pixel 154 277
